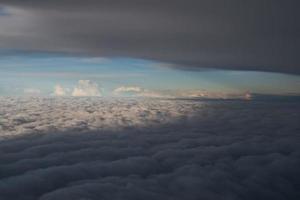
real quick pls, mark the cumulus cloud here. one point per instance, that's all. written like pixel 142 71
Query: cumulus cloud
pixel 212 149
pixel 86 88
pixel 59 91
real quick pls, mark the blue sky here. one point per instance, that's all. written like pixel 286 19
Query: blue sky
pixel 21 72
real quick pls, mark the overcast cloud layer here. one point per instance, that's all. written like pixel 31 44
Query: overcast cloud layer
pixel 243 35
pixel 164 149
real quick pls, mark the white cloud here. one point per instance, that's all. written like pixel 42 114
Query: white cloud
pixel 125 89
pixel 142 92
pixel 59 91
pixel 86 88
pixel 139 92
pixel 41 115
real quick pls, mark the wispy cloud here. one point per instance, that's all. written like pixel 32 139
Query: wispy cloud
pixel 96 60
pixel 124 89
pixel 142 92
pixel 138 92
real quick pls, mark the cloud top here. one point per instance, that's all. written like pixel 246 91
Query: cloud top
pixel 86 88
pixel 59 91
pixel 38 115
pixel 165 149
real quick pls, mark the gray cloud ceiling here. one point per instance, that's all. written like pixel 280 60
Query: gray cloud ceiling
pixel 232 34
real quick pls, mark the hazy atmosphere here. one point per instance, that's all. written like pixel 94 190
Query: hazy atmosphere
pixel 149 99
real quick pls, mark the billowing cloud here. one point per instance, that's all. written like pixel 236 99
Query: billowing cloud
pixel 86 88
pixel 209 150
pixel 59 91
pixel 88 113
pixel 253 35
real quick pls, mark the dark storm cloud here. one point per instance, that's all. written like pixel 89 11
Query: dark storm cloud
pixel 239 150
pixel 243 35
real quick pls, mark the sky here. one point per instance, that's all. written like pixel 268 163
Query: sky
pixel 40 74
pixel 149 48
